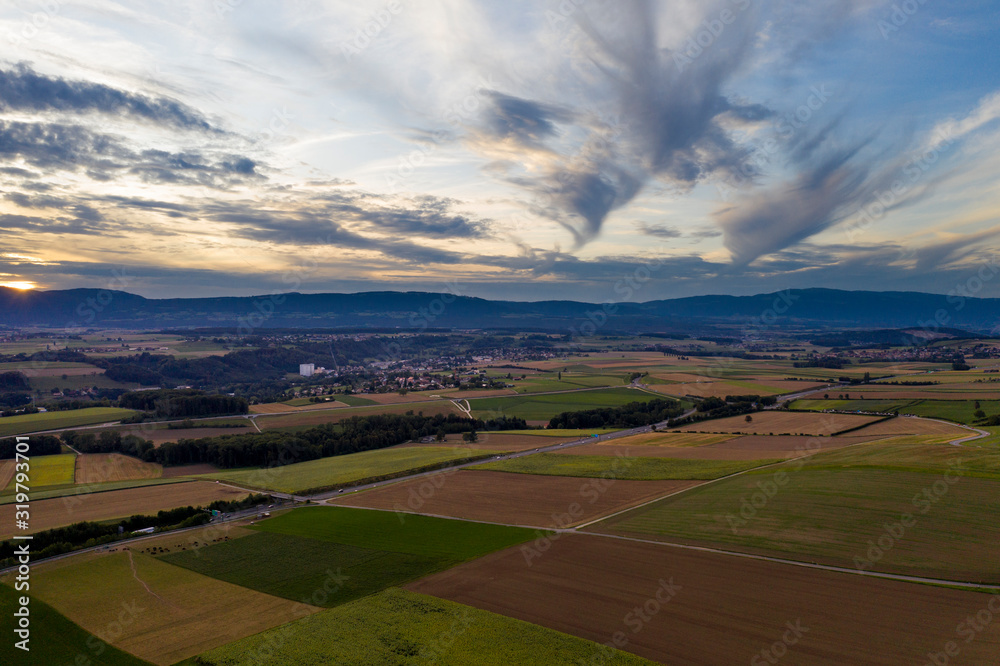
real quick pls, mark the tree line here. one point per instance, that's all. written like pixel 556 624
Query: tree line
pixel 632 415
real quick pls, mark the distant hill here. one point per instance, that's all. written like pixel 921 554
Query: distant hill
pixel 789 310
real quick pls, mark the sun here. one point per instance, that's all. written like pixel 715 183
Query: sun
pixel 24 286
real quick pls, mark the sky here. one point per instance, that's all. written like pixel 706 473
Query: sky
pixel 509 149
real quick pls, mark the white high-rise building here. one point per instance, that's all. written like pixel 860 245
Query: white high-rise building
pixel 307 369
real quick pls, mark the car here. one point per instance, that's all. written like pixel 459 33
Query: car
pixel 341 490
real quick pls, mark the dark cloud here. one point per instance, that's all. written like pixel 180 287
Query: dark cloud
pixel 55 146
pixel 22 89
pixel 659 230
pixel 525 121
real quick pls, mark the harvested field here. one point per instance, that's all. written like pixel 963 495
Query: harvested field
pixel 175 541
pixel 519 499
pixel 46 514
pixel 783 423
pixel 623 467
pixel 345 470
pixel 907 425
pixel 188 470
pixel 690 453
pixel 720 388
pixel 669 439
pixel 105 467
pixel 492 441
pixel 163 435
pixel 7 469
pixel 175 613
pixel 316 417
pixel 713 608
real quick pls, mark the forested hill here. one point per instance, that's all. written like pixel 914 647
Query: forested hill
pixel 419 310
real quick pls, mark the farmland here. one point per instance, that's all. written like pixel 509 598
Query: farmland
pixel 111 504
pixel 53 470
pixel 783 423
pixel 519 499
pixel 400 627
pixel 62 642
pixel 544 407
pixel 960 411
pixel 308 418
pixel 500 441
pixel 622 467
pixel 294 567
pixel 175 613
pixel 831 516
pixel 345 470
pixel 713 608
pixel 105 467
pixel 26 423
pixel 446 540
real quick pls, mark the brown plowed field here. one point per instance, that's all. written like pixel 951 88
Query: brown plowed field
pixel 102 467
pixel 783 423
pixel 46 514
pixel 727 609
pixel 520 499
pixel 188 470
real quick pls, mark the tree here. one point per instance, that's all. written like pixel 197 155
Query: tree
pixel 440 435
pixel 472 436
pixel 979 414
pixel 559 376
pixel 826 396
pixel 748 419
pixel 977 404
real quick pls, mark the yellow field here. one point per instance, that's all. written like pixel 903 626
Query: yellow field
pixel 54 470
pixel 783 423
pixel 157 611
pixel 671 439
pixel 103 467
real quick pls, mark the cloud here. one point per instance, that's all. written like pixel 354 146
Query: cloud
pixel 22 89
pixel 659 230
pixel 74 148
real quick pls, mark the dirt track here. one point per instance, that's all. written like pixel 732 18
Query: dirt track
pixel 726 611
pixel 520 499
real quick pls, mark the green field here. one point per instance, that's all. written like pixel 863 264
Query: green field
pixel 403 628
pixel 57 470
pixel 441 538
pixel 354 400
pixel 55 639
pixel 544 407
pixel 294 567
pixel 834 517
pixel 26 423
pixel 328 473
pixel 634 469
pixel 960 411
pixel 910 453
